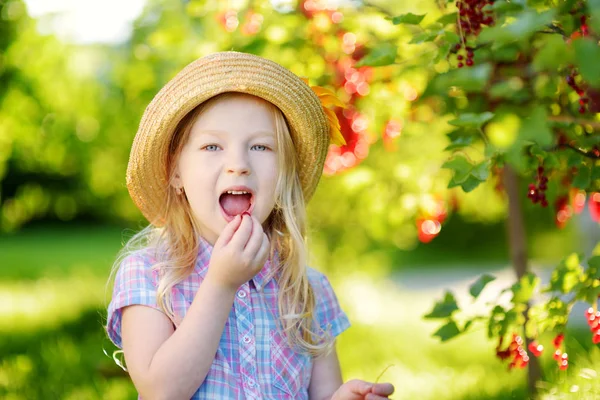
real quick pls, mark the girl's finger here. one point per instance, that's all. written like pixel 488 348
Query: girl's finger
pixel 240 238
pixel 372 396
pixel 228 231
pixel 253 245
pixel 383 389
pixel 263 252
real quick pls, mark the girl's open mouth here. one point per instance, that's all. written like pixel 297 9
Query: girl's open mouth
pixel 236 201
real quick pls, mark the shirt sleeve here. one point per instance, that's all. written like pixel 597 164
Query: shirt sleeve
pixel 135 283
pixel 330 315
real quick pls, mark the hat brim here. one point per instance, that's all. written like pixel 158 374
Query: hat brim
pixel 147 179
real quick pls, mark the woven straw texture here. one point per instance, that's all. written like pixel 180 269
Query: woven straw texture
pixel 203 79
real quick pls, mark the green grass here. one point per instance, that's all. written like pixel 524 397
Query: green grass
pixel 52 344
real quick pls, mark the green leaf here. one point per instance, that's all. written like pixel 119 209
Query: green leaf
pixel 535 128
pixel 553 53
pixel 460 142
pixel 443 308
pixel 447 331
pixel 384 54
pixel 427 36
pixel 472 79
pixel 451 37
pixel 471 120
pixel 583 179
pixel 409 18
pixel 461 167
pixel 594 8
pixel 470 184
pixel 505 6
pixel 551 161
pixel 480 284
pixel 521 29
pixel 523 290
pixel 443 51
pixel 587 56
pixel 481 171
pixel 566 275
pixel 447 19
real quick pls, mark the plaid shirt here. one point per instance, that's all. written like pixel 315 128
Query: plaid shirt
pixel 253 360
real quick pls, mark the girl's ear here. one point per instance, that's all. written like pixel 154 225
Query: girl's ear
pixel 176 180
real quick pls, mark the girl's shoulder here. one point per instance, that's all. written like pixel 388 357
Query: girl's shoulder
pixel 137 265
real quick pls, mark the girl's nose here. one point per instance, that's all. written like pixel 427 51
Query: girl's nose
pixel 237 164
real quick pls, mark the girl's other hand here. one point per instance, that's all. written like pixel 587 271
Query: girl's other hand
pixel 239 253
pixel 361 390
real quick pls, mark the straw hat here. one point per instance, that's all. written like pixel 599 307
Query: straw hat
pixel 310 123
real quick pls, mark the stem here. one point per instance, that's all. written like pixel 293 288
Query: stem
pixel 556 29
pixel 578 121
pixel 518 250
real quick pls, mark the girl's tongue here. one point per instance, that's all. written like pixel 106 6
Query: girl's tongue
pixel 234 204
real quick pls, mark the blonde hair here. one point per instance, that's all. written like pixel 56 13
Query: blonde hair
pixel 176 244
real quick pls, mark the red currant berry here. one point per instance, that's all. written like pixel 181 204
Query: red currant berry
pixel 469 62
pixel 460 65
pixel 558 340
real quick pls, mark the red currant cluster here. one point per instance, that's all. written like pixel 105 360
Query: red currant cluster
pixel 460 57
pixel 515 349
pixel 535 348
pixel 593 320
pixel 583 101
pixel 559 356
pixel 537 193
pixel 471 18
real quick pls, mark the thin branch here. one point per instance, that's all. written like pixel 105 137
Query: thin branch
pixel 378 8
pixel 578 121
pixel 556 29
pixel 584 153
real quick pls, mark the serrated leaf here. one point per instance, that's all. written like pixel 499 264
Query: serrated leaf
pixel 470 184
pixel 384 54
pixel 566 275
pixel 587 56
pixel 553 53
pixel 472 79
pixel 471 120
pixel 551 161
pixel 422 37
pixel 520 29
pixel 443 51
pixel 535 128
pixel 481 171
pixel 505 6
pixel 451 37
pixel 447 19
pixel 583 179
pixel 447 331
pixel 460 166
pixel 480 284
pixel 460 142
pixel 523 290
pixel 444 308
pixel 408 18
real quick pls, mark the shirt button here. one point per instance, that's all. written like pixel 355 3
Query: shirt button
pixel 247 339
pixel 241 294
pixel 251 382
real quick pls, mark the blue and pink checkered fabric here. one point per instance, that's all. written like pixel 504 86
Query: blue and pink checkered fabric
pixel 253 360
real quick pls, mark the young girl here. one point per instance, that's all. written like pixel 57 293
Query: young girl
pixel 213 300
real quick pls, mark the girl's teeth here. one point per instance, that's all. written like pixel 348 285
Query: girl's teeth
pixel 236 192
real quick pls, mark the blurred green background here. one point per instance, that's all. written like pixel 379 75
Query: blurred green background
pixel 69 108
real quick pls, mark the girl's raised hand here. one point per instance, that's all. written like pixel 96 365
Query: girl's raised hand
pixel 239 253
pixel 357 389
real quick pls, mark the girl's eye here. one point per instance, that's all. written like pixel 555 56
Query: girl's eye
pixel 260 147
pixel 211 147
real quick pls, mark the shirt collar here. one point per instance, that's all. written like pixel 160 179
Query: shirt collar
pixel 205 251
